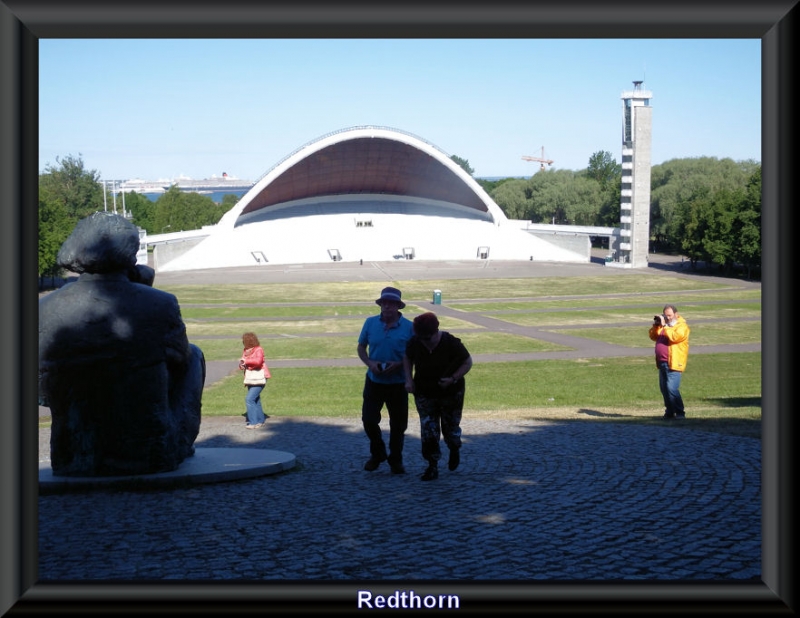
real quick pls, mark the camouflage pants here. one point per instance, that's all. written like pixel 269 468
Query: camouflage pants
pixel 439 417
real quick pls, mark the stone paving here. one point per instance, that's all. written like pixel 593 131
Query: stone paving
pixel 530 501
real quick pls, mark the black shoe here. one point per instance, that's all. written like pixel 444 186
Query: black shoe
pixel 397 468
pixel 430 474
pixel 680 417
pixel 455 459
pixel 372 464
pixel 668 416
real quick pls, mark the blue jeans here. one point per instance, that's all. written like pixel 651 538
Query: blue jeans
pixel 670 382
pixel 252 402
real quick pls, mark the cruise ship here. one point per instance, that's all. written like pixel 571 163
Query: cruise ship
pixel 210 185
pixel 141 186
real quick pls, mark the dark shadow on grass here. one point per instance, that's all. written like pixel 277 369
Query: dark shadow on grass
pixel 598 414
pixel 737 402
pixel 726 425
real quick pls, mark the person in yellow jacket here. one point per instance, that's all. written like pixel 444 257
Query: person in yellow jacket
pixel 671 334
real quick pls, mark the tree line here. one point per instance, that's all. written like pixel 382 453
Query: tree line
pixel 705 208
pixel 68 192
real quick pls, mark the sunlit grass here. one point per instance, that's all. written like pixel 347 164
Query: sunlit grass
pixel 722 391
pixel 274 327
pixel 712 333
pixel 249 312
pixel 452 289
pixel 717 389
pixel 552 286
pixel 305 326
pixel 612 316
pixel 504 343
pixel 344 346
pixel 649 300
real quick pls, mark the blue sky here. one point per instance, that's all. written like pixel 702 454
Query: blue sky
pixel 160 108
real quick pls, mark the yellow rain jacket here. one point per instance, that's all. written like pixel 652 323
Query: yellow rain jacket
pixel 678 338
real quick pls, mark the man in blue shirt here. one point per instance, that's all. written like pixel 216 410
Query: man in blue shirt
pixel 381 346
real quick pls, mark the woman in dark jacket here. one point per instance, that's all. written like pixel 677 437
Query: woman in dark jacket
pixel 435 364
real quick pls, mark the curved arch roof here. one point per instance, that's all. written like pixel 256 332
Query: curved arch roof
pixel 364 161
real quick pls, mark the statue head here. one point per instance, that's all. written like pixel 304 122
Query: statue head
pixel 103 242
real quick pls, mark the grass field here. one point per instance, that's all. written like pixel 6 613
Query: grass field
pixel 321 321
pixel 722 391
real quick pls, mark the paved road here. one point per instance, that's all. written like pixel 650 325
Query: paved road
pixel 532 503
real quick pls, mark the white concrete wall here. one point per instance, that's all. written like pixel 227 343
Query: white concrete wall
pixel 300 240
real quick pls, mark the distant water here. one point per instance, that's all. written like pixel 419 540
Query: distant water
pixel 216 196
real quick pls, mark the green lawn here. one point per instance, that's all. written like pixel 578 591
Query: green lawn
pixel 310 347
pixel 664 287
pixel 723 388
pixel 716 333
pixel 643 315
pixel 322 321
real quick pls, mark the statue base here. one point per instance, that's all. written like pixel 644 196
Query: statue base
pixel 207 465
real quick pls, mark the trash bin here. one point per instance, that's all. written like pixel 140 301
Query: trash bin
pixel 437 297
pixel 609 258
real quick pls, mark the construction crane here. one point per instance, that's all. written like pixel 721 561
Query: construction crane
pixel 541 160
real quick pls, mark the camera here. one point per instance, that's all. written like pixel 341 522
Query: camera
pixel 657 319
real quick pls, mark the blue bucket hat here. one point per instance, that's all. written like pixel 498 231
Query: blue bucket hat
pixel 391 294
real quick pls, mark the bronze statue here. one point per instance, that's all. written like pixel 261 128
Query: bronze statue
pixel 123 383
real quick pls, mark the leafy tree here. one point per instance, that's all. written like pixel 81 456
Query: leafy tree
pixel 67 193
pixel 679 180
pixel 721 227
pixel 229 200
pixel 708 208
pixel 142 209
pixel 604 169
pixel 610 197
pixel 563 196
pixel 490 185
pixel 176 210
pixel 583 202
pixel 464 163
pixel 201 210
pixel 512 198
pixel 75 188
pixel 607 172
pixel 746 229
pixel 691 222
pixel 718 243
pixel 54 228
